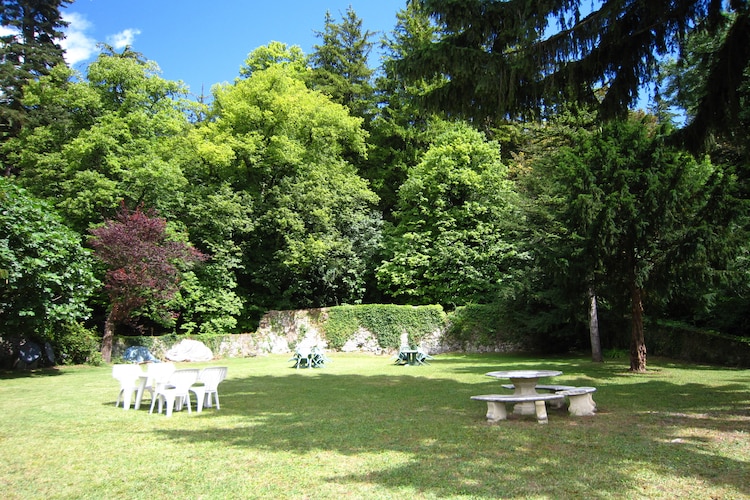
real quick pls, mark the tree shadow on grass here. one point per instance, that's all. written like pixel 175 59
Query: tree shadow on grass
pixel 31 373
pixel 452 451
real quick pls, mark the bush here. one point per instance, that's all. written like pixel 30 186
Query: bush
pixel 74 344
pixel 386 322
pixel 481 325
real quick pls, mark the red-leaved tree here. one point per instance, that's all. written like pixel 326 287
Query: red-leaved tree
pixel 142 265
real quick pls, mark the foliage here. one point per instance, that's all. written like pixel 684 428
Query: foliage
pixel 75 344
pixel 641 219
pixel 386 322
pixel 340 68
pixel 143 264
pixel 141 260
pixel 454 240
pixel 108 137
pixel 275 53
pixel 400 131
pixel 284 148
pixel 28 50
pixel 480 325
pixel 535 56
pixel 50 275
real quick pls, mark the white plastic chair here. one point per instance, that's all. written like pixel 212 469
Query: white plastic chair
pixel 130 379
pixel 156 373
pixel 211 378
pixel 176 391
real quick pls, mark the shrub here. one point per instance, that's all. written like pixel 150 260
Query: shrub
pixel 75 344
pixel 386 322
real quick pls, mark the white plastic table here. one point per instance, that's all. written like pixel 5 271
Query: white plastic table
pixel 525 382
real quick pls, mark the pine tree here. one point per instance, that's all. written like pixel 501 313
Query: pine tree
pixel 29 51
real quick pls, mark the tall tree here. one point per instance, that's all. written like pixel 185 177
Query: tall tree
pixel 49 276
pixel 286 148
pixel 601 54
pixel 109 136
pixel 340 67
pixel 28 51
pixel 143 265
pixel 641 218
pixel 399 133
pixel 454 240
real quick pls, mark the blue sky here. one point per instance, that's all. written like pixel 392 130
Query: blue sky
pixel 205 42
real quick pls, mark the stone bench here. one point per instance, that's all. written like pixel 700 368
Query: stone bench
pixel 558 403
pixel 496 404
pixel 581 402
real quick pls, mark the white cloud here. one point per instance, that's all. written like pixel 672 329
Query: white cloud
pixel 77 44
pixel 123 38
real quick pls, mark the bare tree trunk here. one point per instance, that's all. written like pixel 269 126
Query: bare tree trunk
pixel 596 346
pixel 637 342
pixel 109 334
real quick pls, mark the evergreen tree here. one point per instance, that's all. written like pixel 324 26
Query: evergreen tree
pixel 638 220
pixel 340 64
pixel 399 130
pixel 29 51
pixel 507 59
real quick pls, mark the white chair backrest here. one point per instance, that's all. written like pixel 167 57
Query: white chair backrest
pixel 212 376
pixel 126 373
pixel 159 373
pixel 183 379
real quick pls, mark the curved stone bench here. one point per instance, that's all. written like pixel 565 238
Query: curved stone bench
pixel 557 404
pixel 496 404
pixel 581 401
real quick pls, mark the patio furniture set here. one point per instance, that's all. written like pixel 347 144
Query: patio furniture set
pixel 411 356
pixel 527 401
pixel 310 357
pixel 168 387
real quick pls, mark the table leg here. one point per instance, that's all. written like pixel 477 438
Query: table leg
pixel 525 387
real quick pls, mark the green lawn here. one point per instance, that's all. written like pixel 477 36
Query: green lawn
pixel 363 428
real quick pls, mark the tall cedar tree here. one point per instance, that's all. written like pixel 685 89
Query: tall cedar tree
pixel 509 59
pixel 142 265
pixel 29 51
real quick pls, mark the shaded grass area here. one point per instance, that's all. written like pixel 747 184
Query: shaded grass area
pixel 364 428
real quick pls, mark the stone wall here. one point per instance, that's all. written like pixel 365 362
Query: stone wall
pixel 280 332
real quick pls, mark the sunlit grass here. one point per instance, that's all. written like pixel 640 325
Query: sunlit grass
pixel 363 428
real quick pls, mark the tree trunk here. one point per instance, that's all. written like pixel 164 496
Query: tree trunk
pixel 637 342
pixel 109 334
pixel 596 346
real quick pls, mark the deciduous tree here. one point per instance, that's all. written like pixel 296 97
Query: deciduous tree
pixel 454 241
pixel 108 137
pixel 48 276
pixel 143 265
pixel 286 149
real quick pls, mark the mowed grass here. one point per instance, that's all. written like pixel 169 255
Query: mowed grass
pixel 362 427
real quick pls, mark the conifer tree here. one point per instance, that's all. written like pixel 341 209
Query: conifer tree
pixel 28 51
pixel 340 68
pixel 520 59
